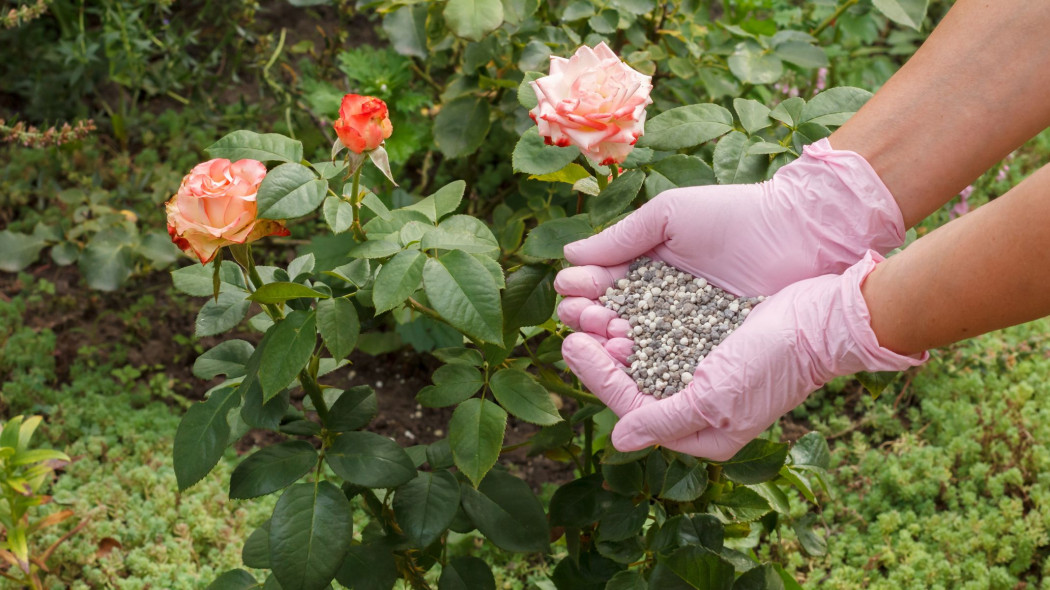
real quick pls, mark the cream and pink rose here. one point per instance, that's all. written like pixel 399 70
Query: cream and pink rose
pixel 215 207
pixel 593 101
pixel 363 123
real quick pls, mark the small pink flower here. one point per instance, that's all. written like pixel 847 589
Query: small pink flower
pixel 963 206
pixel 1002 173
pixel 822 80
pixel 593 101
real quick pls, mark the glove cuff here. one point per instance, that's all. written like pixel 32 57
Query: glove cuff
pixel 866 353
pixel 846 205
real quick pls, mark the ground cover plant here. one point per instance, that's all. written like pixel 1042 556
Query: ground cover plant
pixel 457 262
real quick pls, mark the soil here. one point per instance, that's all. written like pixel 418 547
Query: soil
pixel 150 326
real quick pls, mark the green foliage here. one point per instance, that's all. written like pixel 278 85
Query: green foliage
pixel 955 496
pixel 139 532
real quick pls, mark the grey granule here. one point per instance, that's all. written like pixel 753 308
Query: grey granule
pixel 676 320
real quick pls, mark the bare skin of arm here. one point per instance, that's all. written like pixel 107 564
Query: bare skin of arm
pixel 975 90
pixel 986 270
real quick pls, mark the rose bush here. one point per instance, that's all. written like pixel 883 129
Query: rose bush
pixel 594 101
pixel 215 206
pixel 363 123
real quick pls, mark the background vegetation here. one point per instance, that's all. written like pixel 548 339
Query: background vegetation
pixel 937 483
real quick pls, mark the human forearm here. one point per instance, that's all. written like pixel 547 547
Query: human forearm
pixel 986 270
pixel 972 93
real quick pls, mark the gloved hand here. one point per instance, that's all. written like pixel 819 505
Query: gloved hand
pixel 817 215
pixel 790 345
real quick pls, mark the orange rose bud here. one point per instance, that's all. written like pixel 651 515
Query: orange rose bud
pixel 215 207
pixel 363 123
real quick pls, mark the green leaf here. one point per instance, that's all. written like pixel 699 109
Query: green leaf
pixel 462 232
pixel 626 478
pixel 461 125
pixel 520 395
pixel 580 502
pixel 201 437
pixel 532 156
pixel 628 580
pixel 765 148
pixel 834 106
pixel 506 511
pixel 757 462
pixel 20 250
pixel 547 239
pixel 292 341
pixel 684 482
pixel 622 519
pixel 257 414
pixel 226 358
pixel 354 409
pixel 196 279
pixel 459 355
pixel 370 460
pixel 218 316
pixel 615 198
pixel 339 326
pixel 310 533
pixel 374 249
pixel 473 19
pixel 807 133
pixel 683 170
pixel 700 568
pixel 426 505
pixel 909 13
pixel 265 147
pixel 754 65
pixel 106 262
pixel 528 299
pixel 570 174
pixel 466 573
pixel 789 111
pixel 701 529
pixel 368 567
pixel 811 450
pixel 272 468
pixel 452 385
pixel 462 291
pixel 283 291
pixel 406 29
pixel 802 54
pixel 688 126
pixel 256 551
pixel 63 254
pixel 444 201
pixel 476 432
pixel 763 577
pixel 813 544
pixel 790 583
pixel 754 116
pixel 526 95
pixel 372 202
pixel 338 214
pixel 234 580
pixel 290 190
pixel 733 165
pixel 877 381
pixel 745 504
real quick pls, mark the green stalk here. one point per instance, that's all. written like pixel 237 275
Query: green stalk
pixel 838 12
pixel 355 202
pixel 310 386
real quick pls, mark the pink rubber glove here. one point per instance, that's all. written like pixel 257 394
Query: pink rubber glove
pixel 817 215
pixel 790 345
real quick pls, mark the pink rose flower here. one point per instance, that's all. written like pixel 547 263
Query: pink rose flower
pixel 593 101
pixel 215 207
